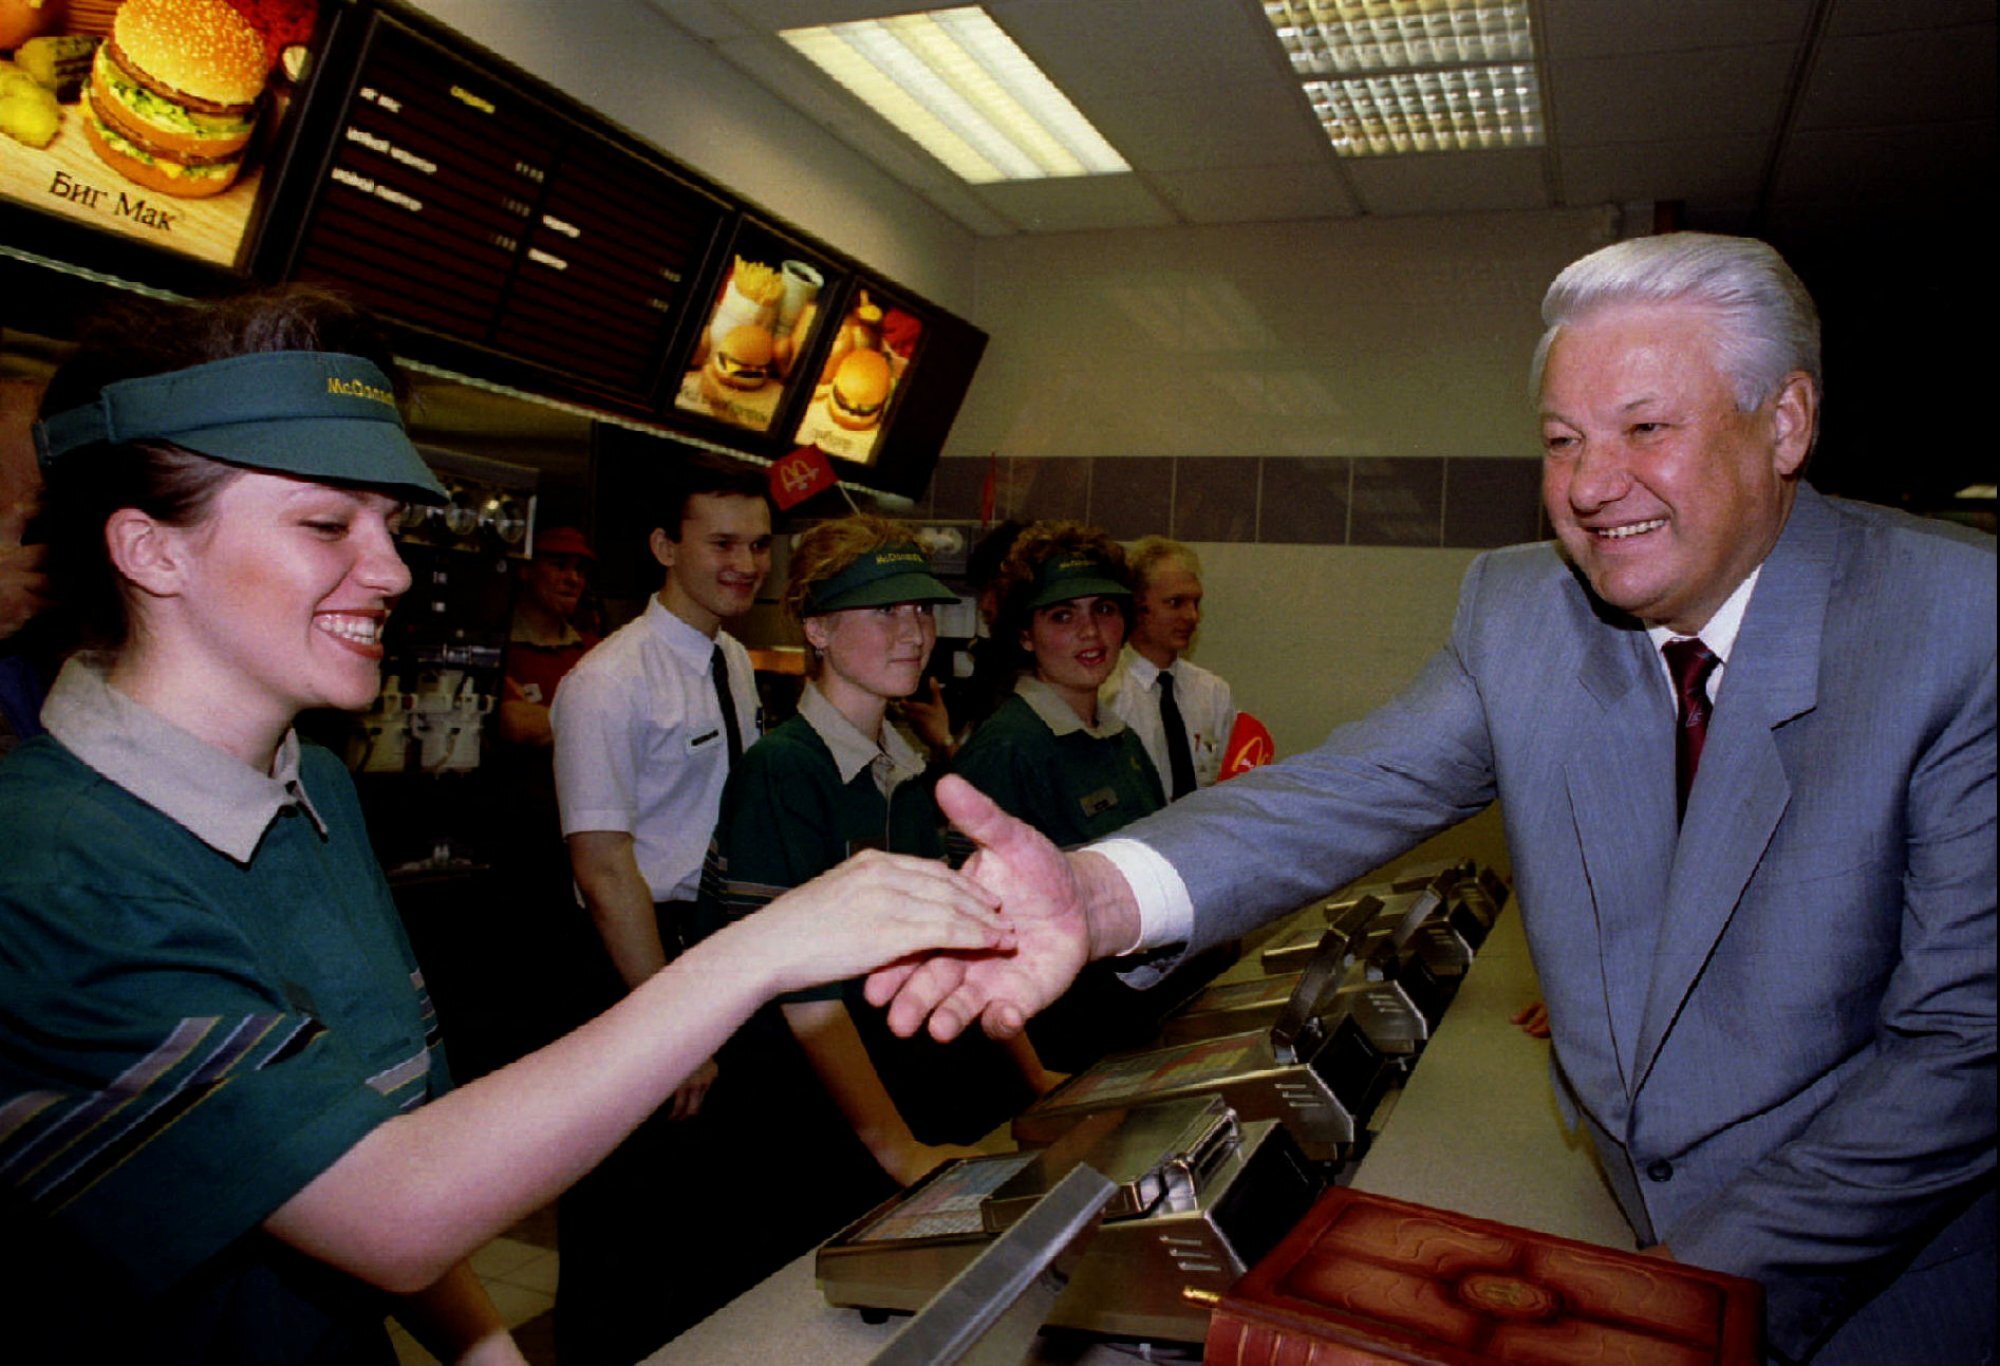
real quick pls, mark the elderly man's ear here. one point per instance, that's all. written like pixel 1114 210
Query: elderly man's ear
pixel 1794 420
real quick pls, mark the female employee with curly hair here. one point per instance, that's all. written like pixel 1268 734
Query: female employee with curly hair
pixel 224 1121
pixel 840 776
pixel 1052 755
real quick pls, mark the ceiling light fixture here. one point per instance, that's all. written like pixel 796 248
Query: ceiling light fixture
pixel 1387 77
pixel 953 80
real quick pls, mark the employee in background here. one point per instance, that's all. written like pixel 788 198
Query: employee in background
pixel 1180 711
pixel 1054 755
pixel 837 777
pixel 546 961
pixel 545 641
pixel 230 1134
pixel 647 727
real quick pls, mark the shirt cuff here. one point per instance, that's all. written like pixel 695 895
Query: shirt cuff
pixel 1166 911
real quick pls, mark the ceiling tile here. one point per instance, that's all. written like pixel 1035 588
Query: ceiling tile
pixel 1446 182
pixel 1141 45
pixel 1901 78
pixel 1076 203
pixel 1592 28
pixel 1251 194
pixel 1710 169
pixel 1658 97
pixel 1213 126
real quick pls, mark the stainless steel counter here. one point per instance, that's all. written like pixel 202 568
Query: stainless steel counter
pixel 1475 1130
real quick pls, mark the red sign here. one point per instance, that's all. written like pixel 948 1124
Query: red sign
pixel 799 476
pixel 1249 747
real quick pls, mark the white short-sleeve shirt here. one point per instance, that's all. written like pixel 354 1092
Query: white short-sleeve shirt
pixel 640 746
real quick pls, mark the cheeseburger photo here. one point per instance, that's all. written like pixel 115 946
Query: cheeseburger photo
pixel 174 93
pixel 861 385
pixel 741 360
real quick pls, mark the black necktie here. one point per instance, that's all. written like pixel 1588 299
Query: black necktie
pixel 719 667
pixel 1180 763
pixel 1690 662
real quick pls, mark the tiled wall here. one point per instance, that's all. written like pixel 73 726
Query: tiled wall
pixel 1436 501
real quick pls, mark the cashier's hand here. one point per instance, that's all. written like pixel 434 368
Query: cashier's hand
pixel 1043 901
pixel 872 910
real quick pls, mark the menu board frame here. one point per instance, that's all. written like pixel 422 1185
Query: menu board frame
pixel 578 132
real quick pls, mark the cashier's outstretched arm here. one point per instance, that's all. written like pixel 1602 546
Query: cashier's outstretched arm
pixel 1065 909
pixel 425 1189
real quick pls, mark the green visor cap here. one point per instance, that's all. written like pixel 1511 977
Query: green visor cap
pixel 315 414
pixel 883 577
pixel 1070 575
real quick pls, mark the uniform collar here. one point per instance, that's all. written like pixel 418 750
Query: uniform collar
pixel 690 645
pixel 1057 714
pixel 224 802
pixel 1144 671
pixel 895 760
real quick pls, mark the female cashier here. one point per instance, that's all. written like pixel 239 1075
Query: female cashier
pixel 838 777
pixel 225 1126
pixel 1052 755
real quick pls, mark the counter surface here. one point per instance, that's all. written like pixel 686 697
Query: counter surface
pixel 1475 1130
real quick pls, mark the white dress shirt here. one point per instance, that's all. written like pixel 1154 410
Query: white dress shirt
pixel 1207 710
pixel 640 746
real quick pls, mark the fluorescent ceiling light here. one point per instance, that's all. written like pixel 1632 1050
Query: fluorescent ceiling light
pixel 953 80
pixel 1387 77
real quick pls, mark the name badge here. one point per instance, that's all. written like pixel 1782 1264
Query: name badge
pixel 1099 801
pixel 703 739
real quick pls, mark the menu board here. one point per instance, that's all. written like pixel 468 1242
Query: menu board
pixel 456 202
pixel 762 324
pixel 865 365
pixel 92 132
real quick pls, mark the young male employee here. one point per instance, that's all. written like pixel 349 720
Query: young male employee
pixel 646 727
pixel 1180 711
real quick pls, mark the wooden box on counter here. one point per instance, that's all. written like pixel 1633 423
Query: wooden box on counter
pixel 1364 1278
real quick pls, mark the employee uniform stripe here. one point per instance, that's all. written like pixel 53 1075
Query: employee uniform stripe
pixel 59 1186
pixel 86 1111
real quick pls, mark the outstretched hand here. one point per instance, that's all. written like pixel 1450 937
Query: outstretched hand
pixel 875 908
pixel 1044 904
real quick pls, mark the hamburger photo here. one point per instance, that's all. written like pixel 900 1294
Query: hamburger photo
pixel 174 94
pixel 860 388
pixel 741 361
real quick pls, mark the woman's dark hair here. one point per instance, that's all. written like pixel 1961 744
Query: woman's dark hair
pixel 166 482
pixel 1014 582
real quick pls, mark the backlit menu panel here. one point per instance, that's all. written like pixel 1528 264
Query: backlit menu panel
pixel 455 202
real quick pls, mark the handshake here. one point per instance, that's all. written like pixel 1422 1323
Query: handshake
pixel 1063 909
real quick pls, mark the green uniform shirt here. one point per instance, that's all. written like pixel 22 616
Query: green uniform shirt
pixel 1074 783
pixel 1037 760
pixel 804 798
pixel 206 998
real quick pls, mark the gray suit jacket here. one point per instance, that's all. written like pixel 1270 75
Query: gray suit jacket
pixel 1779 1020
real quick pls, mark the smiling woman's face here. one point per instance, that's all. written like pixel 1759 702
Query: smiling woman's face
pixel 1075 642
pixel 285 590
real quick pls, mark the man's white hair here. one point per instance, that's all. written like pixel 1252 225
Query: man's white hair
pixel 1766 324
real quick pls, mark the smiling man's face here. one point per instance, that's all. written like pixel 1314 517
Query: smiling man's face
pixel 1661 489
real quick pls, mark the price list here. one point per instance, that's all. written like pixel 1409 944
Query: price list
pixel 457 203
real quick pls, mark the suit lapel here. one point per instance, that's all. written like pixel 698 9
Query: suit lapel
pixel 1624 815
pixel 1742 790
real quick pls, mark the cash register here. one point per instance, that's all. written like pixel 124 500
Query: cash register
pixel 1200 1196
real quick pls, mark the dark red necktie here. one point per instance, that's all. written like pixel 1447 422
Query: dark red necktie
pixel 1690 662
